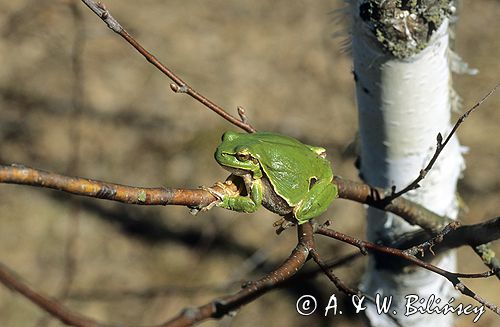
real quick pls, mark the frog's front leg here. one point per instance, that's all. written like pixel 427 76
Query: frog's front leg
pixel 248 203
pixel 316 201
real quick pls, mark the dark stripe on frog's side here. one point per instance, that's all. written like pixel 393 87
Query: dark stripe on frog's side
pixel 272 201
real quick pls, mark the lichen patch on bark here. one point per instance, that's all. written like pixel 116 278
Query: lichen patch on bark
pixel 404 27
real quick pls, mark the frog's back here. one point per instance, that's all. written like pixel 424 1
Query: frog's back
pixel 273 138
pixel 290 164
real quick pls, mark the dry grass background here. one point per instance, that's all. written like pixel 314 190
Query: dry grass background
pixel 140 265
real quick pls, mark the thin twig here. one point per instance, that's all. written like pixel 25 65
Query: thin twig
pixel 178 85
pixel 332 277
pixel 453 277
pixel 341 285
pixel 365 246
pixel 427 245
pixel 473 235
pixel 439 148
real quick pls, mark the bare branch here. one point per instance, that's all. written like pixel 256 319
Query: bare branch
pixel 453 277
pixel 473 235
pixel 439 148
pixel 411 212
pixel 477 236
pixel 198 198
pixel 365 246
pixel 332 277
pixel 16 174
pixel 178 85
pixel 19 174
pixel 489 257
pixel 341 285
pixel 415 214
pixel 220 307
pixel 427 245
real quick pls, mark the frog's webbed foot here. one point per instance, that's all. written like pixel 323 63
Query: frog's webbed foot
pixel 283 224
pixel 219 190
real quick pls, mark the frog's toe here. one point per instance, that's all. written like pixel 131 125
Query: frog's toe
pixel 282 224
pixel 214 192
pixel 210 205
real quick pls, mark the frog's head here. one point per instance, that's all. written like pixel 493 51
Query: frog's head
pixel 235 154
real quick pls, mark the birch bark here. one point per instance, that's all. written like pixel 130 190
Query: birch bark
pixel 403 97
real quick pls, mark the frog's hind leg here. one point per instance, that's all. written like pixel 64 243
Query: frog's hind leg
pixel 316 202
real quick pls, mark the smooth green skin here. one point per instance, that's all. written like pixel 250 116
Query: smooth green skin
pixel 297 173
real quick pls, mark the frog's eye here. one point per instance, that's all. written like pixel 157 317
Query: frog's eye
pixel 243 156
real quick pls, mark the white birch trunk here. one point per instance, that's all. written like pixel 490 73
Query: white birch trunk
pixel 403 104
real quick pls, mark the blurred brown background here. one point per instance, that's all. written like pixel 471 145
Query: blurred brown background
pixel 76 99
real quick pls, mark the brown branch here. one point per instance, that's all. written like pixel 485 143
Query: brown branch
pixel 178 85
pixel 453 277
pixel 330 264
pixel 439 148
pixel 198 198
pixel 411 212
pixel 331 276
pixel 365 246
pixel 488 256
pixel 416 214
pixel 341 285
pixel 51 306
pixel 477 236
pixel 17 174
pixel 222 306
pixel 473 235
pixel 429 244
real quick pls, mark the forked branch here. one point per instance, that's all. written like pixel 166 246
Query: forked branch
pixel 415 214
pixel 452 277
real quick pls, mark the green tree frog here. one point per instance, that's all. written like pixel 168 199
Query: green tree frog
pixel 279 172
